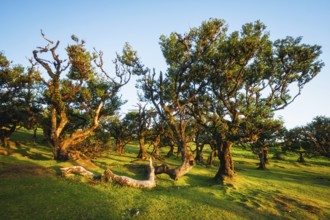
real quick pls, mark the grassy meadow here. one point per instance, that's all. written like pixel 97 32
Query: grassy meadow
pixel 31 188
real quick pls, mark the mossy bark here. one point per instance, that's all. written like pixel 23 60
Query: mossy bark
pixel 226 169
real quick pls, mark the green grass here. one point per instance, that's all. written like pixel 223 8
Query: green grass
pixel 31 188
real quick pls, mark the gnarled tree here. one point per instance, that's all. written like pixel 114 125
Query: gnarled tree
pixel 231 80
pixel 79 92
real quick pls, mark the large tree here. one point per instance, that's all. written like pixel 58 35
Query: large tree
pixel 251 77
pixel 233 81
pixel 79 92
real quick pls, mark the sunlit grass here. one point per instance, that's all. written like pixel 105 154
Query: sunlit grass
pixel 30 188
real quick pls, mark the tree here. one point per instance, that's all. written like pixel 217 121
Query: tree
pixel 123 131
pixel 17 106
pixel 76 95
pixel 143 129
pixel 233 80
pixel 312 138
pixel 267 133
pixel 318 135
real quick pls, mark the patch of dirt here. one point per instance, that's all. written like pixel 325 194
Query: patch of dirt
pixel 14 170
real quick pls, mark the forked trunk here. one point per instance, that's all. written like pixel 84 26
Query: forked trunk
pixel 155 152
pixel 176 172
pixel 226 169
pixel 119 145
pixel 171 151
pixel 143 154
pixel 211 156
pixel 199 153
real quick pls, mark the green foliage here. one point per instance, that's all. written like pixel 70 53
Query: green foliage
pixel 17 98
pixel 314 138
pixel 78 92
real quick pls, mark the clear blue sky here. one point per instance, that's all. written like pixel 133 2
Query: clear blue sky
pixel 107 25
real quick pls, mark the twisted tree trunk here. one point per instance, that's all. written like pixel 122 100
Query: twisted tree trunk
pixel 176 172
pixel 226 169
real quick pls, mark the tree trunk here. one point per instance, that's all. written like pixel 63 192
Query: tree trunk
pixel 301 158
pixel 262 163
pixel 263 157
pixel 143 154
pixel 34 138
pixel 176 172
pixel 120 144
pixel 171 151
pixel 199 153
pixel 226 169
pixel 4 142
pixel 127 181
pixel 109 175
pixel 60 153
pixel 155 151
pixel 5 136
pixel 211 156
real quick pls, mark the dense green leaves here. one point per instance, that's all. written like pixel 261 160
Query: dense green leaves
pixel 314 138
pixel 17 98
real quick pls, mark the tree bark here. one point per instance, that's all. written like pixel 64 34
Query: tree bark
pixel 4 142
pixel 301 159
pixel 199 153
pixel 211 156
pixel 262 163
pixel 263 157
pixel 176 172
pixel 109 175
pixel 143 154
pixel 226 169
pixel 127 181
pixel 70 171
pixel 120 144
pixel 171 151
pixel 155 151
pixel 5 136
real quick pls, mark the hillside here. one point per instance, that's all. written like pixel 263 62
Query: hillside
pixel 31 188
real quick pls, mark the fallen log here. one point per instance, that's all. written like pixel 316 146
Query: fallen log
pixel 127 181
pixel 70 171
pixel 109 175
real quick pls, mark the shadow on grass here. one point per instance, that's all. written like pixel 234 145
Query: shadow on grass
pixel 27 193
pixel 281 174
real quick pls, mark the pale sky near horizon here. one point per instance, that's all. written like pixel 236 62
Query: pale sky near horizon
pixel 107 25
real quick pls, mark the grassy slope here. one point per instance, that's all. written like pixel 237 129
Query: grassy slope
pixel 30 188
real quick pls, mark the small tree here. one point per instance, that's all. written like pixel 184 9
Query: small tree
pixel 314 138
pixel 123 131
pixel 17 99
